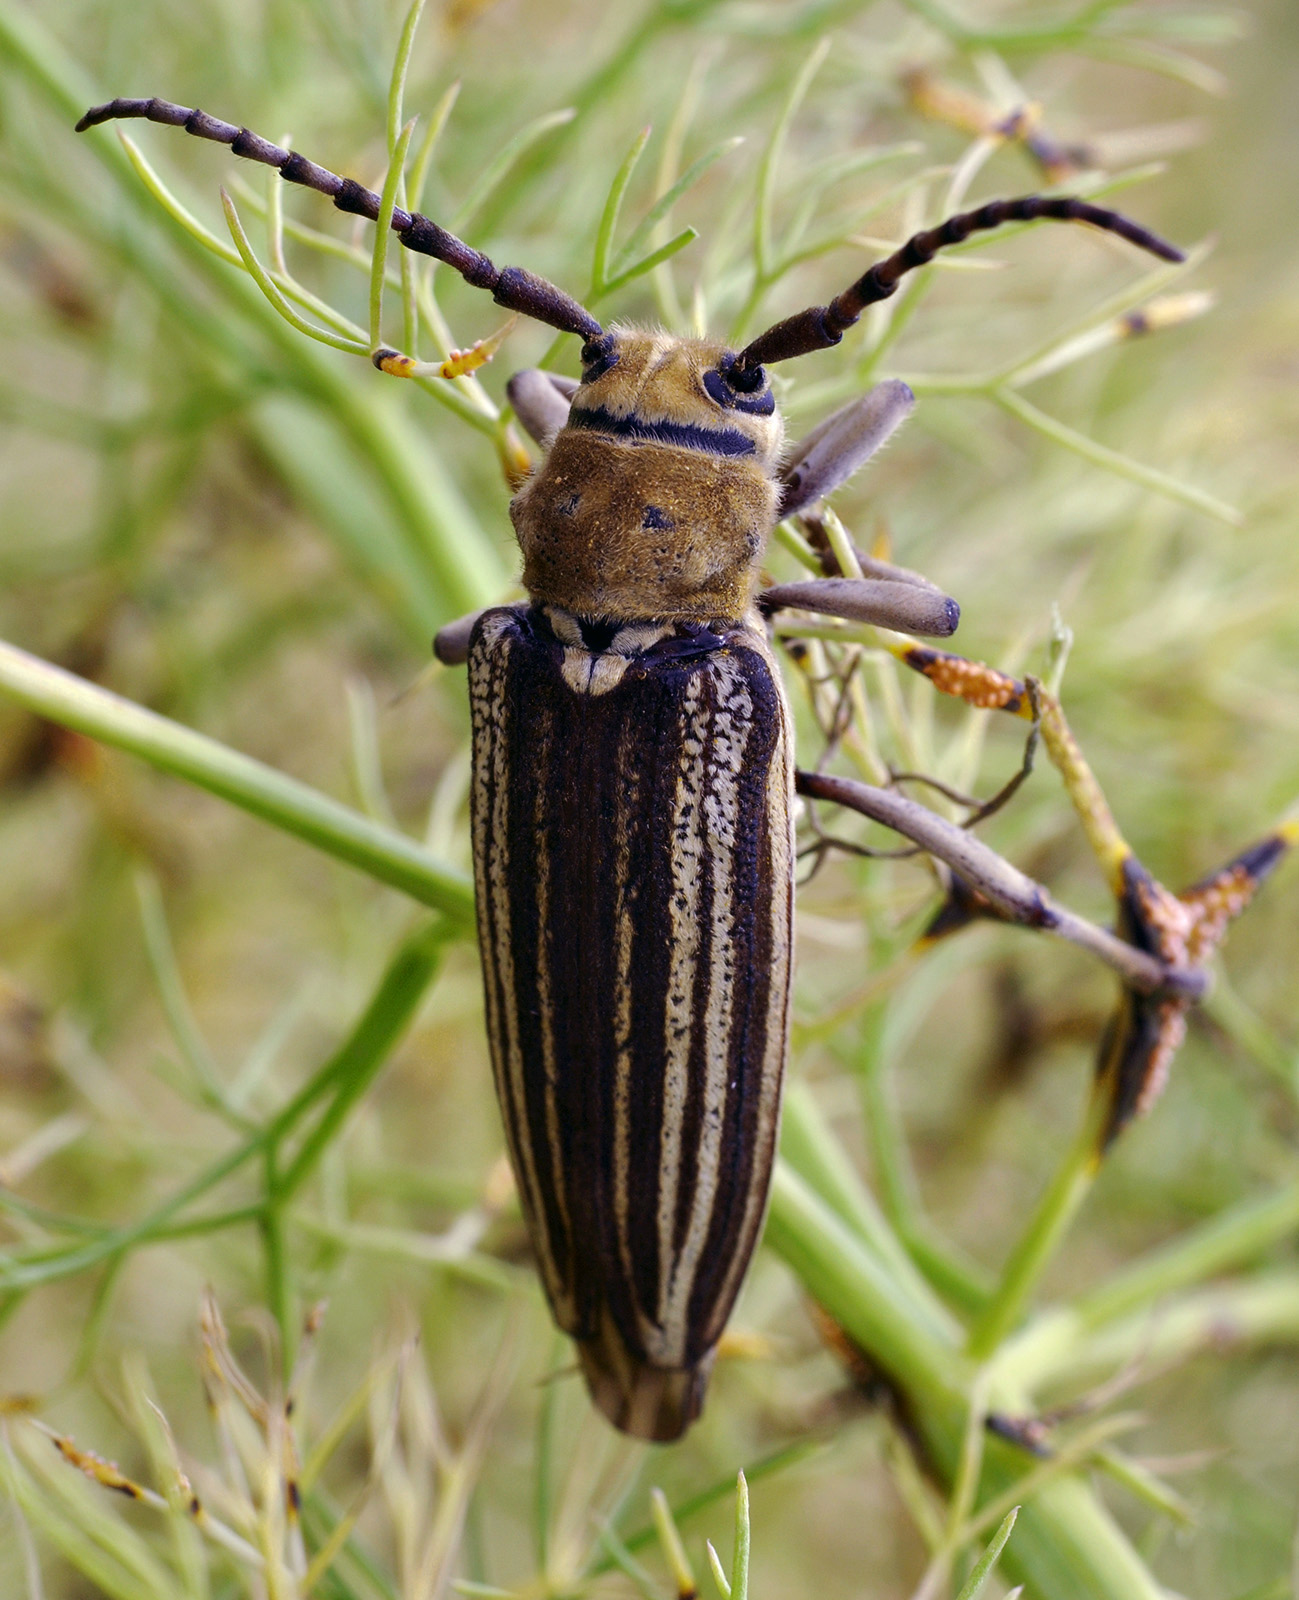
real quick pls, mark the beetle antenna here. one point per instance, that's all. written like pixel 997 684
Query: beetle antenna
pixel 819 327
pixel 512 287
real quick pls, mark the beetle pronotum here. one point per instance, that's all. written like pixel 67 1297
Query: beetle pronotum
pixel 632 788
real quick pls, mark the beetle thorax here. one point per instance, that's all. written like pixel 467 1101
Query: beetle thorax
pixel 657 497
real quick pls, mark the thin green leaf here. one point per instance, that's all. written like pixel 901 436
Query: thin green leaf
pixel 674 1552
pixel 973 1586
pixel 665 252
pixel 383 232
pixel 609 217
pixel 175 1003
pixel 1167 63
pixel 663 205
pixel 273 294
pixel 400 67
pixel 1114 461
pixel 437 122
pixel 718 1571
pixel 740 1563
pixel 365 1051
pixel 527 136
pixel 388 857
pixel 627 1563
pixel 764 205
pixel 1146 1485
pixel 850 163
pixel 168 201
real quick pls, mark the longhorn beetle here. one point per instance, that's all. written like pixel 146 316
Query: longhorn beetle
pixel 633 782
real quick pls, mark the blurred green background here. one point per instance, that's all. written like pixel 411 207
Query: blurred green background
pixel 258 543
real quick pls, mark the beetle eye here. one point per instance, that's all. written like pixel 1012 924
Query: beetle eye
pixel 746 380
pixel 598 355
pixel 740 388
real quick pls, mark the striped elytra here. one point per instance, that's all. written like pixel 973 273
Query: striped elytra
pixel 631 818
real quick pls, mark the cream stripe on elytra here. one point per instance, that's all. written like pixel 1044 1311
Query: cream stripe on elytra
pixel 779 806
pixel 720 798
pixel 679 999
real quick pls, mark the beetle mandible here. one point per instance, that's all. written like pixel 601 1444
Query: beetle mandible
pixel 633 784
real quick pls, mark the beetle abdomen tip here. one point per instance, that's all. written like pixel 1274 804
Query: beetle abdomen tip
pixel 654 1403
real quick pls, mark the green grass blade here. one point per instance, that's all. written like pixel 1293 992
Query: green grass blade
pixel 363 1054
pixel 1115 461
pixel 647 263
pixel 400 67
pixel 768 171
pixel 609 217
pixel 296 808
pixel 974 1585
pixel 258 273
pixel 498 169
pixel 664 204
pixel 383 232
pixel 740 1564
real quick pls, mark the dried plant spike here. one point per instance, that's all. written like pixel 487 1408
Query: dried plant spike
pixel 820 327
pixel 958 108
pixel 512 287
pixel 1185 930
pixel 1181 931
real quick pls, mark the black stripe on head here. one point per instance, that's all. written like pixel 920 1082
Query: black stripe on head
pixel 686 435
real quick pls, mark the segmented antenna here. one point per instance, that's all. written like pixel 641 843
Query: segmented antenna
pixel 512 287
pixel 819 327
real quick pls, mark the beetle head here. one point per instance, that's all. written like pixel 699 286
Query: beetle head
pixel 658 495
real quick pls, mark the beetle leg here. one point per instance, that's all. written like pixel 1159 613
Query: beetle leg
pixel 451 643
pixel 540 400
pixel 845 441
pixel 886 602
pixel 1004 892
pixel 1180 930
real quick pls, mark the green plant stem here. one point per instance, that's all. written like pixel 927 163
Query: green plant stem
pixel 390 857
pixel 1065 1356
pixel 839 1270
pixel 1227 1240
pixel 810 1149
pixel 1040 1240
pixel 1062 1337
pixel 1065 1543
pixel 275 1257
pixel 354 1066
